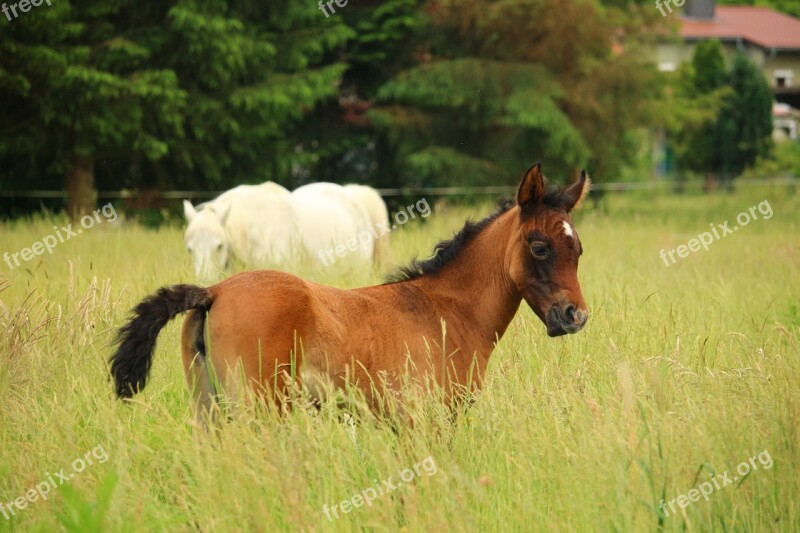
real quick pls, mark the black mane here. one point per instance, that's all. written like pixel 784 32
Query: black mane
pixel 445 251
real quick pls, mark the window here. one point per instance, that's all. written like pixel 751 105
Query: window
pixel 783 78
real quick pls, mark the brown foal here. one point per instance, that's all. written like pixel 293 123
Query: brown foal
pixel 437 320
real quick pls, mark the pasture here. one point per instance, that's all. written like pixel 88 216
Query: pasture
pixel 682 372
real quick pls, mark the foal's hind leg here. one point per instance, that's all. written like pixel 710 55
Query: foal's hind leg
pixel 195 366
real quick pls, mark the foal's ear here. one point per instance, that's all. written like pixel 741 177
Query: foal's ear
pixel 576 192
pixel 533 186
pixel 189 211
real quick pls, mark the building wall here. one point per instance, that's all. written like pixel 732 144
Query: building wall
pixel 783 61
pixel 668 56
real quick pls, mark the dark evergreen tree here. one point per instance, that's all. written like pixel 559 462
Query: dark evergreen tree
pixel 751 114
pixel 500 84
pixel 736 127
pixel 340 143
pixel 205 93
pixel 702 149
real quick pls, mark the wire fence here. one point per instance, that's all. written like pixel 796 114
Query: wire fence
pixel 665 185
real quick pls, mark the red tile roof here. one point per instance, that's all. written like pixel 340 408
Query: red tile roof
pixel 760 25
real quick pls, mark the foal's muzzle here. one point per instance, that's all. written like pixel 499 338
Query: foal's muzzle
pixel 566 319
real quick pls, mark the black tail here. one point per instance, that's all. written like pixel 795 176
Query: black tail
pixel 130 365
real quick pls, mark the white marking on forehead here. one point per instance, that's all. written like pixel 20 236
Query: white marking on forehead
pixel 568 229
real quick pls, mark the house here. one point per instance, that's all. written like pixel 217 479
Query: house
pixel 771 40
pixel 786 120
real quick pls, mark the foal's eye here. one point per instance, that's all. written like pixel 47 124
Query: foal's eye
pixel 540 250
pixel 219 247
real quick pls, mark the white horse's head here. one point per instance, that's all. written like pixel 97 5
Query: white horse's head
pixel 206 239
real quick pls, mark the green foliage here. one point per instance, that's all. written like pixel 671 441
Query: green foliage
pixel 339 144
pixel 438 166
pixel 702 98
pixel 709 67
pixel 207 94
pixel 750 115
pixel 81 91
pixel 81 514
pixel 783 162
pixel 720 121
pixel 469 101
pixel 253 83
pixel 381 29
pixel 790 7
pixel 539 112
pixel 187 94
pixel 501 87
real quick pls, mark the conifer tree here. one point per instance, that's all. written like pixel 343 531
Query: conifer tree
pixel 503 83
pixel 203 93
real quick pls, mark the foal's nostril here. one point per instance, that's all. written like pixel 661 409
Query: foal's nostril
pixel 569 312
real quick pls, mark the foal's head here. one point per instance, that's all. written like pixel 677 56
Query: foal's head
pixel 544 252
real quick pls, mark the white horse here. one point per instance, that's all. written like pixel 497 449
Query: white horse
pixel 247 222
pixel 378 215
pixel 262 190
pixel 370 212
pixel 324 206
pixel 265 225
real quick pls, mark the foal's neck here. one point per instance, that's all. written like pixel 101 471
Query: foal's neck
pixel 476 285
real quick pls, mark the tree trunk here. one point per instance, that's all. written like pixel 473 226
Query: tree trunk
pixel 80 188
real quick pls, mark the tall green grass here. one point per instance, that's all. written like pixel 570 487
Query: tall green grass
pixel 681 372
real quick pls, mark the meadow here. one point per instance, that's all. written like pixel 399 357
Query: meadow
pixel 683 373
